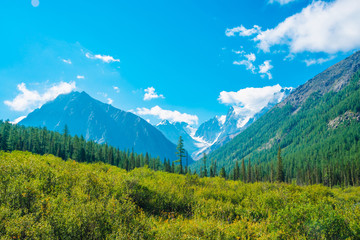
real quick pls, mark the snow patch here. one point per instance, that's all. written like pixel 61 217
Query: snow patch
pixel 19 119
pixel 221 119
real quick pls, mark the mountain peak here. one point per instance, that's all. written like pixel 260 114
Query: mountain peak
pixel 101 123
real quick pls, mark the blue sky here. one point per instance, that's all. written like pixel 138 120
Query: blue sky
pixel 175 60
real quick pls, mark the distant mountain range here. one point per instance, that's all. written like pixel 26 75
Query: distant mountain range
pixel 105 124
pixel 218 130
pixel 317 124
pixel 102 123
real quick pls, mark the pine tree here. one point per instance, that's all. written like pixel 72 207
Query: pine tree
pixel 280 177
pixel 147 159
pixel 249 172
pixel 204 172
pixel 236 171
pixel 66 142
pixel 222 173
pixel 5 136
pixel 180 153
pixel 187 163
pixel 243 170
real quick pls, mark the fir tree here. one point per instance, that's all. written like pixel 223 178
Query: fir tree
pixel 243 170
pixel 280 177
pixel 236 171
pixel 249 172
pixel 222 173
pixel 180 153
pixel 204 172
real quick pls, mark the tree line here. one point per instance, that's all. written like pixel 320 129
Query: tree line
pixel 63 145
pixel 43 141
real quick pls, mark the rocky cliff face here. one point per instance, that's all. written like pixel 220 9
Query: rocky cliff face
pixel 334 78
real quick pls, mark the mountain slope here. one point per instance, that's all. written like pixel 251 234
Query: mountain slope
pixel 173 131
pixel 218 130
pixel 302 124
pixel 102 123
pixel 209 131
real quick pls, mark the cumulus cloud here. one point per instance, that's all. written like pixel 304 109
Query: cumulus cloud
pixel 281 2
pixel 104 58
pixel 310 62
pixel 151 94
pixel 249 101
pixel 28 100
pixel 265 68
pixel 80 77
pixel 250 59
pixel 68 61
pixel 172 116
pixel 117 90
pixel 242 31
pixel 328 27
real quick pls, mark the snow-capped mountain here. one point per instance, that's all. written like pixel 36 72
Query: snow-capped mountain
pixel 218 130
pixel 102 123
pixel 173 131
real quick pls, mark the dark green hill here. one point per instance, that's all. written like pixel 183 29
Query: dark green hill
pixel 317 128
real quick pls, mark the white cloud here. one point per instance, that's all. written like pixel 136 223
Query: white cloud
pixel 151 94
pixel 242 31
pixel 104 58
pixel 117 90
pixel 19 119
pixel 172 116
pixel 80 77
pixel 68 61
pixel 238 52
pixel 250 58
pixel 281 2
pixel 249 101
pixel 265 69
pixel 28 100
pixel 310 62
pixel 110 101
pixel 327 27
pixel 35 3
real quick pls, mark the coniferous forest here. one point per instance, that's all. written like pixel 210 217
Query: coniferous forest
pixel 319 143
pixel 63 145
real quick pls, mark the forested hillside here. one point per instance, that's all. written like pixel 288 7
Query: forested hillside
pixel 317 129
pixel 42 141
pixel 45 197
